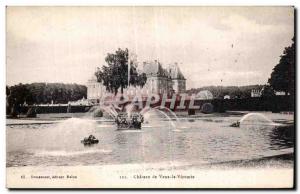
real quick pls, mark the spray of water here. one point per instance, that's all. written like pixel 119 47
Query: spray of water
pixel 66 135
pixel 169 111
pixel 256 117
pixel 109 110
pixel 129 108
pixel 155 113
pixel 148 112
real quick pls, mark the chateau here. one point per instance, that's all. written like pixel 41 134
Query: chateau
pixel 159 81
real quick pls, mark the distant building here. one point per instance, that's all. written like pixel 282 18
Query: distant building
pixel 94 89
pixel 258 93
pixel 159 81
pixel 280 93
pixel 255 93
pixel 226 97
pixel 178 80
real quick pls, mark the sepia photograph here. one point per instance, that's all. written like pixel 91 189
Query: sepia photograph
pixel 159 97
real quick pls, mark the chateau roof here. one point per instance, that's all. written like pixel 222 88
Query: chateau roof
pixel 154 68
pixel 175 72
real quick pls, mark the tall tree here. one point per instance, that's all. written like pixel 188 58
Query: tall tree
pixel 267 92
pixel 283 75
pixel 114 76
pixel 137 79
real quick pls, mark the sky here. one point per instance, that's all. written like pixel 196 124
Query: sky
pixel 212 45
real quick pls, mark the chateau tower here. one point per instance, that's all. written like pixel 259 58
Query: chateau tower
pixel 179 81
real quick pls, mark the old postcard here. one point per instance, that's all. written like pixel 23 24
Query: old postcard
pixel 150 97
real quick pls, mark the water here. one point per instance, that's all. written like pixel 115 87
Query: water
pixel 192 141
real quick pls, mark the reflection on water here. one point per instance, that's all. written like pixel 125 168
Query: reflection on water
pixel 199 140
pixel 282 137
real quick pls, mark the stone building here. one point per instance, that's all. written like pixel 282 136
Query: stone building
pixel 159 81
pixel 178 80
pixel 94 90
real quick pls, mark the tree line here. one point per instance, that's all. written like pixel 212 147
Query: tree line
pixel 42 93
pixel 232 91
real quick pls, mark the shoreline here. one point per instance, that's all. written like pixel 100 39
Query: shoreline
pixel 53 118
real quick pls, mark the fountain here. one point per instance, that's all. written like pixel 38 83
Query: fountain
pixel 252 119
pixel 131 116
pixel 157 117
pixel 127 121
pixel 90 140
pixel 126 118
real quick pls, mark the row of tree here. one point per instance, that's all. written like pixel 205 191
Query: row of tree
pixel 232 91
pixel 43 93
